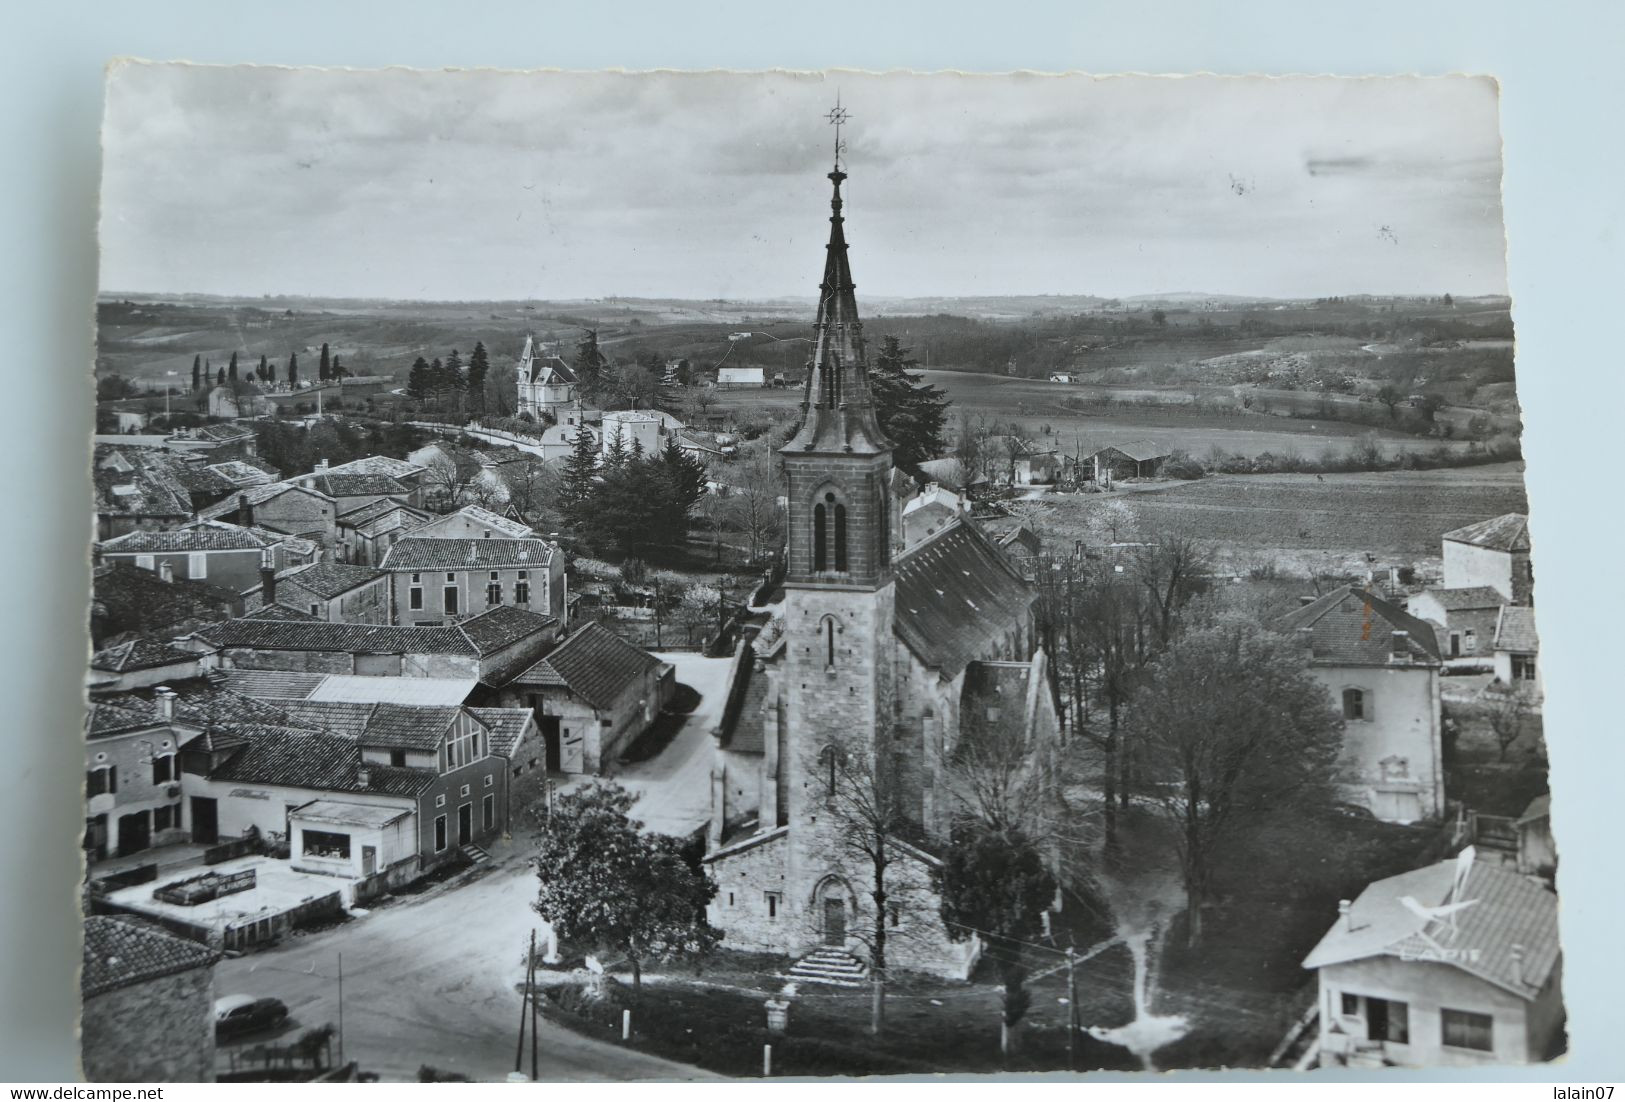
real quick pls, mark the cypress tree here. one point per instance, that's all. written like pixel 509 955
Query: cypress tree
pixel 338 368
pixel 220 377
pixel 265 368
pixel 231 368
pixel 478 364
pixel 324 366
pixel 293 370
pixel 197 372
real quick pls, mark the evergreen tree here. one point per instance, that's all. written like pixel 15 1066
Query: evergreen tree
pixel 437 377
pixel 324 366
pixel 682 480
pixel 338 368
pixel 293 370
pixel 454 371
pixel 911 411
pixel 589 365
pixel 264 369
pixel 580 467
pixel 197 372
pixel 615 453
pixel 478 365
pixel 419 383
pixel 231 368
pixel 220 377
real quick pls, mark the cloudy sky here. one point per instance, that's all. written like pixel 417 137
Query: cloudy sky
pixel 484 185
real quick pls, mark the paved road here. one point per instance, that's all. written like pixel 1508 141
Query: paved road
pixel 431 980
pixel 674 787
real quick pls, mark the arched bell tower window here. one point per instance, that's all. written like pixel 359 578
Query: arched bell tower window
pixel 829 638
pixel 840 538
pixel 820 541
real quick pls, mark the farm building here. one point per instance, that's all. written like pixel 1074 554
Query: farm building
pixel 1492 552
pixel 1132 459
pixel 1467 615
pixel 1517 648
pixel 1060 377
pixel 740 376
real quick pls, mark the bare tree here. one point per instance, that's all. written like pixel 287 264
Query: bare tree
pixel 1172 569
pixel 1231 730
pixel 1506 710
pixel 448 476
pixel 756 488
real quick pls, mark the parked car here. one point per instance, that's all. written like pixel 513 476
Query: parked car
pixel 235 1015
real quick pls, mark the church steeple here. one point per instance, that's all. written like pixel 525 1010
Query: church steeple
pixel 838 464
pixel 838 410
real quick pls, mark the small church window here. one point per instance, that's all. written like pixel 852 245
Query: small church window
pixel 830 757
pixel 820 552
pixel 829 637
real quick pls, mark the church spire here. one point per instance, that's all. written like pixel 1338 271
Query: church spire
pixel 838 413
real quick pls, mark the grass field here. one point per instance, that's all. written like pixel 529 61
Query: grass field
pixel 1387 513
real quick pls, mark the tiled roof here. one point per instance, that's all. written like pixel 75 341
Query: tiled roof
pixel 106 718
pixel 502 626
pixel 1508 910
pixel 1464 598
pixel 242 473
pixel 347 719
pixel 506 526
pixel 408 726
pixel 507 727
pixel 957 596
pixel 356 484
pixel 256 495
pixel 372 689
pixel 297 759
pixel 272 684
pixel 281 614
pixel 594 664
pixel 377 464
pixel 138 481
pixel 139 654
pixel 318 635
pixel 328 579
pixel 1354 627
pixel 1508 532
pixel 121 950
pixel 1515 630
pixel 742 728
pixel 429 553
pixel 209 536
pixel 128 598
pixel 382 507
pixel 1137 450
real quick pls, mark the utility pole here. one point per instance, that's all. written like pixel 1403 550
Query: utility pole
pixel 1071 1008
pixel 341 1010
pixel 524 1002
pixel 532 995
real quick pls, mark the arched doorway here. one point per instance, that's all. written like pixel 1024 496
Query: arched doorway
pixel 833 910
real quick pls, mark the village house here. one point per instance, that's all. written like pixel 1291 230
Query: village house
pixel 147 1009
pixel 333 592
pixel 404 471
pixel 239 399
pixel 353 489
pixel 733 377
pixel 1517 650
pixel 1465 617
pixel 592 695
pixel 137 664
pixel 1456 964
pixel 144 489
pixel 367 531
pixel 221 440
pixel 228 555
pixel 1537 851
pixel 1493 553
pixel 490 647
pixel 1020 462
pixel 636 429
pixel 953 475
pixel 1380 666
pixel 1015 537
pixel 558 441
pixel 929 512
pixel 1131 459
pixel 444 580
pixel 287 507
pixel 546 384
pixel 132 776
pixel 473 522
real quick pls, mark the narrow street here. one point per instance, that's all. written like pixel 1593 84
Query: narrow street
pixel 431 980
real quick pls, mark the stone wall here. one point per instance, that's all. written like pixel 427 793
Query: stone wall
pixel 153 1032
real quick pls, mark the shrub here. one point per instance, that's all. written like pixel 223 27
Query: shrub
pixel 1181 465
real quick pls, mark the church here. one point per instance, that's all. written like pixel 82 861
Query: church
pixel 546 383
pixel 862 689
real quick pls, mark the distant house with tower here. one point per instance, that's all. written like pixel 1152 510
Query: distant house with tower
pixel 546 383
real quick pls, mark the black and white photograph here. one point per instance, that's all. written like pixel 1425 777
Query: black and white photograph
pixel 662 576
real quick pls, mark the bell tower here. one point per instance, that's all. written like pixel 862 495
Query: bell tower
pixel 839 592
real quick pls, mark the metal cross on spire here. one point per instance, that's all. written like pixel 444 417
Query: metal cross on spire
pixel 838 117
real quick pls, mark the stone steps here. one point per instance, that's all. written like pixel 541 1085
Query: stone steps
pixel 831 966
pixel 476 855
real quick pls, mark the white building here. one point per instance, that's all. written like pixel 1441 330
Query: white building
pixel 546 383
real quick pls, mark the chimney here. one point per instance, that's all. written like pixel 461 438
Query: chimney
pixel 164 699
pixel 267 580
pixel 1345 911
pixel 245 511
pixel 322 465
pixel 363 775
pixel 1401 649
pixel 166 571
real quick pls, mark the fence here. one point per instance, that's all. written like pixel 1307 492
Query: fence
pixel 226 851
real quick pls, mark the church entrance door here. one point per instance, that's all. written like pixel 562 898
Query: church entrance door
pixel 834 921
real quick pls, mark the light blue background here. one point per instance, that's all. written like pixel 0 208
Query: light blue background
pixel 1562 80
